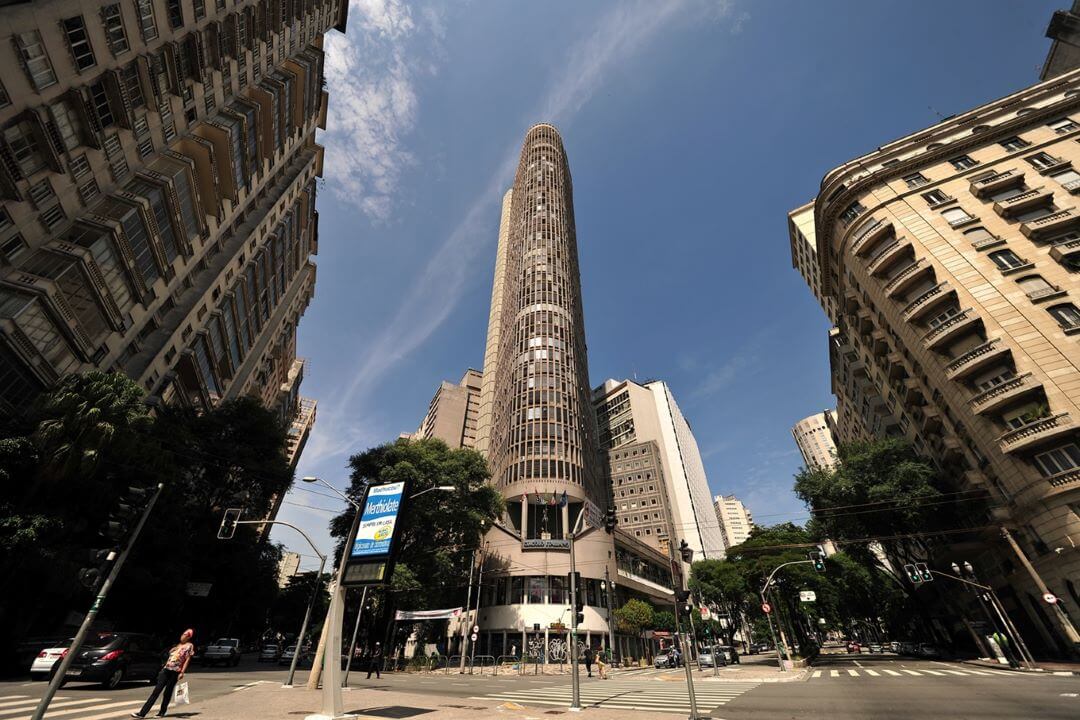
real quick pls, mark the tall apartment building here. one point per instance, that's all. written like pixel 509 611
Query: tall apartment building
pixel 630 413
pixel 453 412
pixel 537 429
pixel 952 255
pixel 804 254
pixel 288 566
pixel 1064 54
pixel 736 522
pixel 157 179
pixel 640 493
pixel 814 437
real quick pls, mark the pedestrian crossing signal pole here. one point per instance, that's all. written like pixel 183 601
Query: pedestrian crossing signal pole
pixel 575 681
pixel 682 599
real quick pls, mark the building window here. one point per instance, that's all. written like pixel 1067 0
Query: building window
pixel 956 216
pixel 199 6
pixel 1066 314
pixel 1069 179
pixel 1014 143
pixel 132 85
pixel 1036 287
pixel 79 165
pixel 113 20
pixel 1042 160
pixel 935 197
pixel 1059 460
pixel 100 98
pixel 145 10
pixel 24 148
pixel 853 211
pixel 963 162
pixel 1064 125
pixel 81 51
pixel 980 237
pixel 915 180
pixel 67 124
pixel 175 13
pixel 144 142
pixel 35 60
pixel 13 249
pixel 41 193
pixel 942 317
pixel 52 216
pixel 5 99
pixel 1007 260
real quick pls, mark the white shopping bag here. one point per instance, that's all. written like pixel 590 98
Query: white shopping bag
pixel 181 697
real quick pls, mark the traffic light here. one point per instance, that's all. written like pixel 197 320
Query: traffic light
pixel 90 577
pixel 119 524
pixel 924 572
pixel 913 573
pixel 819 561
pixel 573 580
pixel 682 602
pixel 228 524
pixel 610 521
pixel 686 552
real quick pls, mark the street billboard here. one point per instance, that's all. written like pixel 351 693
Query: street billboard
pixel 375 534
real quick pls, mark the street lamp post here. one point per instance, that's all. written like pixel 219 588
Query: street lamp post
pixel 609 589
pixel 999 609
pixel 687 557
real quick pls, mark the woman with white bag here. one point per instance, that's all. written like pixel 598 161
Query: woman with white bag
pixel 171 673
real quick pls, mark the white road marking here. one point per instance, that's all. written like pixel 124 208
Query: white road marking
pixel 892 672
pixel 912 672
pixel 858 663
pixel 854 673
pixel 834 673
pixel 868 671
pixel 932 672
pixel 27 704
pixel 817 673
pixel 72 711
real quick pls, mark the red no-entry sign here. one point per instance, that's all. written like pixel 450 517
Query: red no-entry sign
pixel 766 607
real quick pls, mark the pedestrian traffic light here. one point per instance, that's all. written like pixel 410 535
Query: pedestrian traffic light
pixel 819 561
pixel 228 524
pixel 610 521
pixel 686 552
pixel 913 573
pixel 924 572
pixel 90 577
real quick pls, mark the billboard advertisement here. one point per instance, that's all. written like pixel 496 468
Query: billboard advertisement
pixel 376 530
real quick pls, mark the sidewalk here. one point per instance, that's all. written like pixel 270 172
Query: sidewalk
pixel 272 702
pixel 1050 668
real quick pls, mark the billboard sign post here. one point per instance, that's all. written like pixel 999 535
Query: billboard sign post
pixel 372 548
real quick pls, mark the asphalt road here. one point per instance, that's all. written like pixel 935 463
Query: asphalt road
pixel 840 687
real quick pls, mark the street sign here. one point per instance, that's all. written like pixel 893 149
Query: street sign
pixel 372 548
pixel 473 637
pixel 476 628
pixel 705 614
pixel 807 596
pixel 593 517
pixel 766 608
pixel 1050 598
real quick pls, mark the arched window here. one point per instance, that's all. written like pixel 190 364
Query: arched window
pixel 1007 260
pixel 1066 314
pixel 1035 286
pixel 980 236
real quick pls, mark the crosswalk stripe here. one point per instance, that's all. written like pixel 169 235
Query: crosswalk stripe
pixel 912 672
pixel 8 706
pixel 54 704
pixel 106 715
pixel 868 671
pixel 954 672
pixel 14 699
pixel 892 672
pixel 977 672
pixel 834 673
pixel 628 693
pixel 71 711
pixel 852 672
pixel 817 673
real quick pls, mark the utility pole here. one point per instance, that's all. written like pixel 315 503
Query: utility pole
pixel 73 649
pixel 610 613
pixel 468 604
pixel 352 645
pixel 575 681
pixel 1063 620
pixel 476 622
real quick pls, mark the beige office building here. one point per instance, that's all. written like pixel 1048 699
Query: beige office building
pixel 813 435
pixel 952 255
pixel 157 179
pixel 736 522
pixel 453 412
pixel 644 418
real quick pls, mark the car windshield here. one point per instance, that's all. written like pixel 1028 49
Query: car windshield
pixel 269 647
pixel 227 642
pixel 100 640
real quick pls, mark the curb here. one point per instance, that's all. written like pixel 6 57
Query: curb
pixel 1006 668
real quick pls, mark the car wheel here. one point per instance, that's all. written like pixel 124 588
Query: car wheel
pixel 114 679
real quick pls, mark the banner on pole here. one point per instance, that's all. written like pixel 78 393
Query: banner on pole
pixel 447 614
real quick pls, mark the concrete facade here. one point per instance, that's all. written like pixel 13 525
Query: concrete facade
pixel 814 437
pixel 735 520
pixel 157 196
pixel 952 256
pixel 453 413
pixel 628 412
pixel 1064 54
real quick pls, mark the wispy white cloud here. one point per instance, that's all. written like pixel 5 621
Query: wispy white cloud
pixel 620 34
pixel 739 366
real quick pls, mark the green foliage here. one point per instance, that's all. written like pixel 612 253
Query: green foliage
pixel 635 616
pixel 663 620
pixel 66 466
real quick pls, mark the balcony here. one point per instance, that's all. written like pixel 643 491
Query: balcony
pixel 1000 181
pixel 952 328
pixel 1011 207
pixel 1001 395
pixel 887 255
pixel 1064 479
pixel 865 321
pixel 1068 250
pixel 851 300
pixel 895 363
pixel 865 236
pixel 1049 224
pixel 931 421
pixel 913 394
pixel 1073 186
pixel 987 242
pixel 976 358
pixel 1046 293
pixel 1036 433
pixel 927 301
pixel 879 343
pixel 904 279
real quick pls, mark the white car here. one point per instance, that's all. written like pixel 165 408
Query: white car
pixel 43 663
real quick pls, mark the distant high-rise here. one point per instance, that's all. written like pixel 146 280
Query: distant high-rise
pixel 453 412
pixel 735 520
pixel 814 437
pixel 628 412
pixel 158 171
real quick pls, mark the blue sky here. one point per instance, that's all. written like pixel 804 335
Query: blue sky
pixel 692 128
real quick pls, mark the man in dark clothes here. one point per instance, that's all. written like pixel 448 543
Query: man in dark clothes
pixel 375 662
pixel 589 657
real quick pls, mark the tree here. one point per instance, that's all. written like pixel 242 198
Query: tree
pixel 438 532
pixel 663 620
pixel 634 617
pixel 720 585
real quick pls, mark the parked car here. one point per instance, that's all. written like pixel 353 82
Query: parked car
pixel 222 650
pixel 894 646
pixel 716 655
pixel 854 647
pixel 666 659
pixel 287 656
pixel 907 648
pixel 270 652
pixel 927 650
pixel 43 663
pixel 875 648
pixel 756 648
pixel 110 658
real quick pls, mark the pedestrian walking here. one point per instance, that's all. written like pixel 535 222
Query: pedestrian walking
pixel 601 666
pixel 375 662
pixel 589 660
pixel 513 651
pixel 171 673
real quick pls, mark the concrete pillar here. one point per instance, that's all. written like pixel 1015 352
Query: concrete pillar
pixel 524 516
pixel 566 519
pixel 546 646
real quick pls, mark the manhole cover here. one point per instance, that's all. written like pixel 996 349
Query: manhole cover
pixel 392 711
